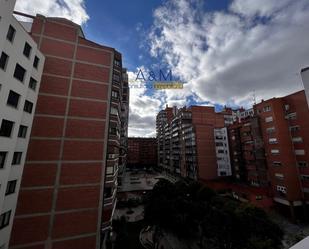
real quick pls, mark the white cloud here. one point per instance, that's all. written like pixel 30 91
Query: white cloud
pixel 143 108
pixel 225 56
pixel 73 10
pixel 254 46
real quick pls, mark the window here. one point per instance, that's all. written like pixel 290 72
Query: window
pixel 110 170
pixel 270 130
pixel 32 83
pixel 294 128
pixel 6 128
pixel 17 158
pixel 117 63
pixel 297 139
pixel 5 219
pixel 275 151
pixel 10 188
pixel 13 99
pixel 291 116
pixel 113 130
pixel 111 156
pixel 115 94
pixel 267 109
pixel 2 158
pixel 273 141
pixel 116 77
pixel 302 164
pixel 3 60
pixel 19 72
pixel 305 177
pixel 28 106
pixel 11 33
pixel 22 131
pixel 268 119
pixel 279 176
pixel 107 192
pixel 114 111
pixel 36 62
pixel 27 49
pixel 276 163
pixel 299 152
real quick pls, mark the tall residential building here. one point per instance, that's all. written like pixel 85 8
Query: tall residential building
pixel 77 142
pixel 186 141
pixel 247 152
pixel 142 152
pixel 21 65
pixel 222 152
pixel 285 130
pixel 305 77
pixel 163 121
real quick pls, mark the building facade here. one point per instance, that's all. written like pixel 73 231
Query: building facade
pixel 285 130
pixel 21 65
pixel 68 187
pixel 222 152
pixel 186 141
pixel 142 152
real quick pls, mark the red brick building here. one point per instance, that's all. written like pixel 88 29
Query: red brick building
pixel 142 152
pixel 285 129
pixel 68 188
pixel 270 150
pixel 186 141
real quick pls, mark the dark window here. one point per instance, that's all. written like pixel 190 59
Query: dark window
pixel 32 83
pixel 6 128
pixel 16 158
pixel 116 77
pixel 19 72
pixel 22 131
pixel 5 219
pixel 3 60
pixel 2 158
pixel 27 49
pixel 11 33
pixel 107 192
pixel 113 130
pixel 36 62
pixel 117 63
pixel 13 99
pixel 28 106
pixel 10 188
pixel 115 94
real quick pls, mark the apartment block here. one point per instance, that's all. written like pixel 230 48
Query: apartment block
pixel 163 121
pixel 222 152
pixel 285 129
pixel 305 77
pixel 21 65
pixel 142 152
pixel 186 141
pixel 78 141
pixel 247 150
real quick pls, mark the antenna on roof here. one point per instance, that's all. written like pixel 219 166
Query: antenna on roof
pixel 254 97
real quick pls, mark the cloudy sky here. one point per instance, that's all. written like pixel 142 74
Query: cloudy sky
pixel 224 50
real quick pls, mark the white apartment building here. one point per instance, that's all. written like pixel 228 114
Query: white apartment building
pixel 305 77
pixel 21 66
pixel 222 152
